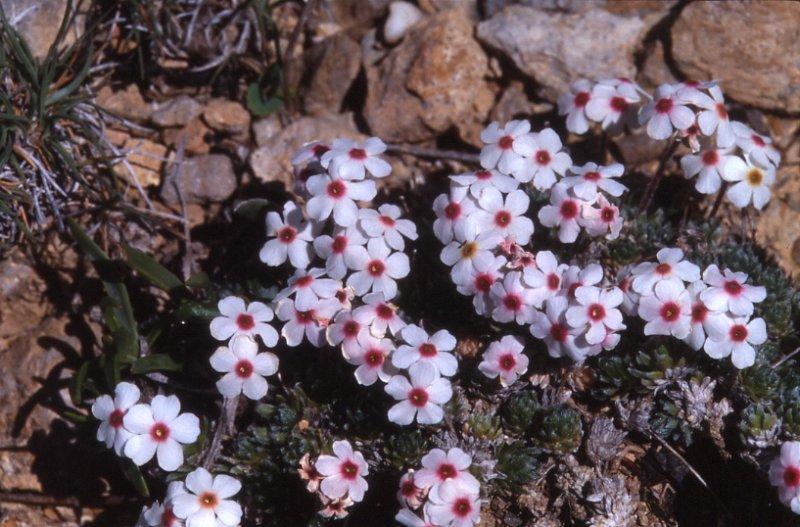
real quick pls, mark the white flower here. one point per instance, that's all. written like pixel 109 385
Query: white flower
pixel 506 218
pixel 665 111
pixel 755 146
pixel 159 515
pixel 308 288
pixel 292 235
pixel 408 493
pixel 481 179
pixel 422 397
pixel 448 504
pixel 668 310
pixel 630 302
pixel 379 315
pixel 408 518
pixel 714 116
pixel 729 291
pixel 625 87
pixel 591 177
pixel 560 339
pixel 371 356
pixel 420 347
pixel 609 101
pixel 339 251
pixel 439 466
pixel 244 368
pixel 671 267
pixel 386 223
pixel 512 300
pixel 206 503
pixel 544 278
pixel 709 164
pixel 504 358
pixel 479 283
pixel 784 473
pixel 111 413
pixel 574 103
pixel 462 257
pixel 337 196
pixel 502 148
pixel 376 268
pixel 351 160
pixel 735 337
pixel 159 429
pixel 564 212
pixel 343 472
pixel 701 316
pixel 603 219
pixel 310 152
pixel 575 277
pixel 597 309
pixel 542 160
pixel 310 323
pixel 752 182
pixel 345 330
pixel 240 319
pixel 452 214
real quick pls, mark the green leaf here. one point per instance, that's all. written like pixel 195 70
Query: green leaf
pixel 197 310
pixel 153 271
pixel 200 280
pixel 250 208
pixel 135 476
pixel 156 362
pixel 76 384
pixel 256 103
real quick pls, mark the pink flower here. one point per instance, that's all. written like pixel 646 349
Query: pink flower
pixel 422 397
pixel 433 349
pixel 340 250
pixel 308 288
pixel 603 219
pixel 701 317
pixel 240 319
pixel 543 158
pixel 735 337
pixel 591 177
pixel 630 302
pixel 504 359
pixel 310 323
pixel 667 110
pixel 506 218
pixel 111 413
pixel 512 300
pixel 387 224
pixel 337 196
pixel 308 472
pixel 610 100
pixel 481 179
pixel 729 290
pixel 377 268
pixel 206 503
pixel 714 116
pixel 448 504
pixel 563 212
pixel 244 368
pixel 597 310
pixel 784 473
pixel 453 466
pixel 409 494
pixel 408 518
pixel 372 358
pixel 343 473
pixel 379 315
pixel 474 252
pixel 291 236
pixel 670 267
pixel 351 160
pixel 668 311
pixel 503 145
pixel 574 105
pixel 452 214
pixel 708 164
pixel 575 277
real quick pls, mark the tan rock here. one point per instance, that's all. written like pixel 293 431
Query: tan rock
pixel 145 158
pixel 127 103
pixel 227 116
pixel 753 48
pixel 38 21
pixel 207 178
pixel 335 65
pixel 196 137
pixel 176 112
pixel 655 71
pixel 774 228
pixel 265 128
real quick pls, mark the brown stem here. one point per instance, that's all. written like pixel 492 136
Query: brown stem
pixel 43 500
pixel 434 153
pixel 718 200
pixel 288 69
pixel 225 424
pixel 650 191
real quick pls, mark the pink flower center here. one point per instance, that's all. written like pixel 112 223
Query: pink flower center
pixel 208 500
pixel 304 281
pixel 452 210
pixel 625 284
pixel 670 311
pixel 427 349
pixel 385 312
pixel 336 189
pixel 502 218
pixel 508 361
pixel 115 419
pixel 581 99
pixel 722 113
pixel 618 104
pixel 542 157
pixel 553 281
pixel 512 302
pixel 244 369
pixel 573 288
pixel 287 234
pixel 664 105
pixel 374 358
pixel 168 518
pixel 387 221
pixel 339 244
pixel 758 141
pixel 710 158
pixel 592 176
pixel 462 507
pixel 358 154
pixel 446 471
pixel 791 476
pixel 692 130
pixel 569 209
pixel 245 322
pixel 483 175
pixel 350 328
pixel 407 488
pixel 418 397
pixel 319 149
pixel 483 282
pixel 663 269
pixel 607 214
pixel 699 312
pixel 376 268
pixel 305 317
pixel 738 333
pixel 159 432
pixel 733 288
pixel 558 332
pixel 596 312
pixel 506 142
pixel 349 470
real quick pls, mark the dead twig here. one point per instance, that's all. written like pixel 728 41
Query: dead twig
pixel 650 191
pixel 224 425
pixel 288 69
pixel 42 500
pixel 785 358
pixel 434 153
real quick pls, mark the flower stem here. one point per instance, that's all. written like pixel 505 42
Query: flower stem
pixel 650 191
pixel 718 201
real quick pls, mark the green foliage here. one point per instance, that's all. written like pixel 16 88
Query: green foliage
pixel 405 449
pixel 517 466
pixel 760 383
pixel 558 430
pixel 647 371
pixel 519 411
pixel 642 237
pixel 759 426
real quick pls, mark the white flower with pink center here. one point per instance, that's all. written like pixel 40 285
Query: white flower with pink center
pixel 439 466
pixel 310 152
pixel 575 277
pixel 591 177
pixel 597 312
pixel 421 396
pixel 504 359
pixel 451 505
pixel 308 288
pixel 111 413
pixel 604 219
pixel 701 316
pixel 372 358
pixel 339 250
pixel 377 268
pixel 420 347
pixel 352 161
pixel 452 214
pixel 206 502
pixel 479 180
pixel 713 118
pixel 503 144
pixel 563 212
pixel 479 283
pixel 670 267
pixel 609 102
pixel 574 105
pixel 291 237
pixel 512 300
pixel 544 278
pixel 379 315
pixel 309 323
pixel 345 331
pixel 506 217
pixel 337 196
pixel 784 473
pixel 729 291
pixel 239 319
pixel 409 494
pixel 668 311
pixel 474 252
pixel 159 429
pixel 666 111
pixel 543 159
pixel 244 368
pixel 343 473
pixel 735 337
pixel 408 518
pixel 707 165
pixel 387 224
pixel 159 515
pixel 625 87
pixel 551 326
pixel 630 302
pixel 755 146
pixel 751 182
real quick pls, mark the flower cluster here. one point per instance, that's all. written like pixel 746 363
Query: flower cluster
pixel 338 480
pixel 720 149
pixel 710 312
pixel 442 493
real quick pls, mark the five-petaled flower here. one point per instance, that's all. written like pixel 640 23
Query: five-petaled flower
pixel 420 396
pixel 238 319
pixel 111 413
pixel 350 160
pixel 504 359
pixel 244 368
pixel 291 237
pixel 343 473
pixel 206 501
pixel 420 347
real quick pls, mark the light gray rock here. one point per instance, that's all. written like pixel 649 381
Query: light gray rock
pixel 204 178
pixel 176 112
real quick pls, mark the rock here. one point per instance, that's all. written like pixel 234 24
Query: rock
pixel 195 136
pixel 783 210
pixel 402 17
pixel 176 112
pixel 335 66
pixel 227 116
pixel 638 148
pixel 655 71
pixel 434 80
pixel 555 48
pixel 753 48
pixel 38 21
pixel 265 128
pixel 145 158
pixel 272 161
pixel 206 178
pixel 512 103
pixel 128 103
